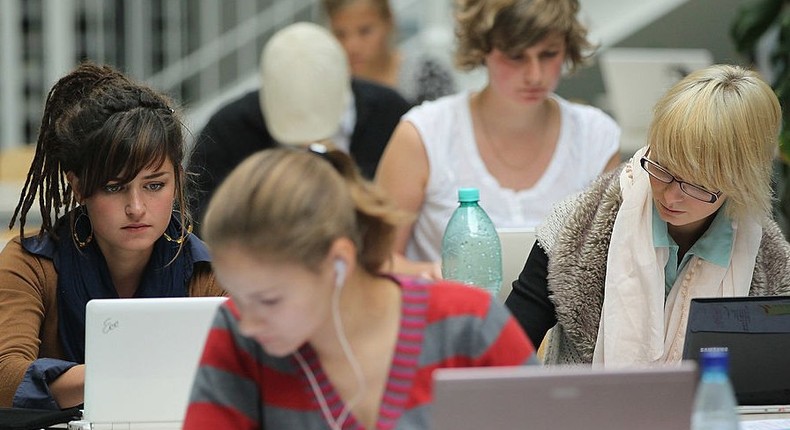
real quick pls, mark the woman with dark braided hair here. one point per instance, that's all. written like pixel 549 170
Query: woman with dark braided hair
pixel 107 172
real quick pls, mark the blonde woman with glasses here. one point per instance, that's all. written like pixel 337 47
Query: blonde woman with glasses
pixel 615 268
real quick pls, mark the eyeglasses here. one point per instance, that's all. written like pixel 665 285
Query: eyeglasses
pixel 662 175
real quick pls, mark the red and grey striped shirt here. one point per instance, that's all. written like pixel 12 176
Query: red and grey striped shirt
pixel 443 324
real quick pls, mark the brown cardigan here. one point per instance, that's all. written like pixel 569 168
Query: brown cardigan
pixel 29 312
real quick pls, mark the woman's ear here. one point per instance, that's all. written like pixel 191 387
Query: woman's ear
pixel 343 253
pixel 74 183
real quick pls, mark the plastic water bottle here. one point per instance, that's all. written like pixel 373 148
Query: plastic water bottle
pixel 715 404
pixel 471 252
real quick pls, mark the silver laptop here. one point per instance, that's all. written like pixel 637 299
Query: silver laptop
pixel 551 398
pixel 636 78
pixel 140 359
pixel 516 244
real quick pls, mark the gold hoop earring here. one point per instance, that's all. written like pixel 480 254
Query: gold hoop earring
pixel 181 239
pixel 81 243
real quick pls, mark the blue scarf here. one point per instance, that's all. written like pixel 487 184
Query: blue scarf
pixel 83 275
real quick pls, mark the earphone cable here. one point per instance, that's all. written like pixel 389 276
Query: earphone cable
pixel 352 360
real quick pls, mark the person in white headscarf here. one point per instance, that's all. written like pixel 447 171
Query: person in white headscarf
pixel 615 268
pixel 307 95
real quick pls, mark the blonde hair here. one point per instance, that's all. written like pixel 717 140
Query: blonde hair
pixel 512 26
pixel 290 205
pixel 718 128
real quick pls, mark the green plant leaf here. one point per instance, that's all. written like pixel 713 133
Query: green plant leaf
pixel 784 144
pixel 780 60
pixel 751 21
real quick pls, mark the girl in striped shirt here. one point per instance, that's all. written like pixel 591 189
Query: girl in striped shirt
pixel 315 336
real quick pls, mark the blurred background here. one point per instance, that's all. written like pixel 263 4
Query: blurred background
pixel 205 52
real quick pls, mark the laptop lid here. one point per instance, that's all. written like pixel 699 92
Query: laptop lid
pixel 756 330
pixel 141 356
pixel 516 244
pixel 560 397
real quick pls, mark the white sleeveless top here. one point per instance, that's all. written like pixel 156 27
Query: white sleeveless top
pixel 587 140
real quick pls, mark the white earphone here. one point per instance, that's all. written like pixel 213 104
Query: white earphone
pixel 340 272
pixel 337 424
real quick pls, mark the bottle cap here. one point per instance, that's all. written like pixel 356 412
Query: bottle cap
pixel 715 359
pixel 468 195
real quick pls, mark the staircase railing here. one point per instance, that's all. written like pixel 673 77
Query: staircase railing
pixel 198 51
pixel 191 49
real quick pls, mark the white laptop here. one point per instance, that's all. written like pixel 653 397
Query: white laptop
pixel 516 244
pixel 141 356
pixel 552 398
pixel 636 78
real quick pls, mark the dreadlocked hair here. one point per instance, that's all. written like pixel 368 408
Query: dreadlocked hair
pixel 101 126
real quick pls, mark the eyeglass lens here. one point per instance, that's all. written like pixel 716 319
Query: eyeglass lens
pixel 664 176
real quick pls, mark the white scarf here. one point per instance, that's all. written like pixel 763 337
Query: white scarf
pixel 636 326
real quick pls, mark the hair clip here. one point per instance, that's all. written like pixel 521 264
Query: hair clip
pixel 318 148
pixel 323 151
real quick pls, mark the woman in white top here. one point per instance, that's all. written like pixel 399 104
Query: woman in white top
pixel 524 147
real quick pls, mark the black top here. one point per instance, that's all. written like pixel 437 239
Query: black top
pixel 238 130
pixel 529 301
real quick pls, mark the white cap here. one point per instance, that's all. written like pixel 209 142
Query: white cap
pixel 305 84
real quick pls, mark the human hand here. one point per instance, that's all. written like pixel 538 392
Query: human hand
pixel 401 265
pixel 68 388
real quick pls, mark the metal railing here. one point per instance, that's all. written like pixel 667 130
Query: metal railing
pixel 191 49
pixel 198 51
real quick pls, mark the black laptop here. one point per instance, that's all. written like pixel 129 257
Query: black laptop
pixel 756 330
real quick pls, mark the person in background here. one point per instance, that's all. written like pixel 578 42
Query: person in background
pixel 520 144
pixel 614 269
pixel 307 95
pixel 314 335
pixel 366 29
pixel 107 172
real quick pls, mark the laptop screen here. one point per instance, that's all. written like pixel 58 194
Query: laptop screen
pixel 756 330
pixel 560 397
pixel 141 356
pixel 516 245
